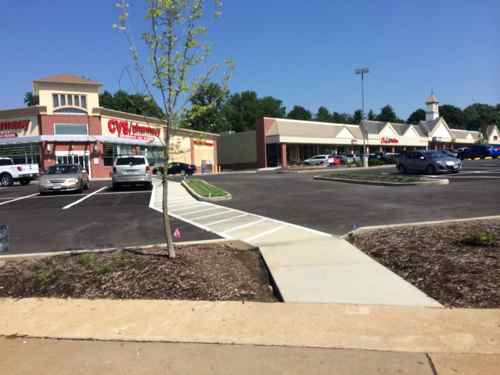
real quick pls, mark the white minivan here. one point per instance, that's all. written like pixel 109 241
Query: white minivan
pixel 131 170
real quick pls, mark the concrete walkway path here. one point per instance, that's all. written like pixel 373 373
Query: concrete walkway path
pixel 307 265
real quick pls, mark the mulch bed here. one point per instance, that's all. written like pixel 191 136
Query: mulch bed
pixel 434 259
pixel 202 272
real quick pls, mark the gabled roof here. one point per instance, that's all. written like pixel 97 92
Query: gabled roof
pixel 490 129
pixel 374 127
pixel 67 78
pixel 311 129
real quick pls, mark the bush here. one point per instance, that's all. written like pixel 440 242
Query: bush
pixel 375 162
pixel 482 238
pixel 87 259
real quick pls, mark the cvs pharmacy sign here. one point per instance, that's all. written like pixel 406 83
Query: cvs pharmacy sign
pixel 130 129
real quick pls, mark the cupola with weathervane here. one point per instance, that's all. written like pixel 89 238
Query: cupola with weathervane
pixel 432 112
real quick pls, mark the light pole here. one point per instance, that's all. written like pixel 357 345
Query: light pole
pixel 362 72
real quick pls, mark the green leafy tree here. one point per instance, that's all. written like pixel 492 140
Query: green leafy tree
pixel 271 107
pixel 453 116
pixel 243 109
pixel 176 51
pixel 299 113
pixel 387 114
pixel 31 100
pixel 371 115
pixel 478 116
pixel 207 109
pixel 416 117
pixel 323 115
pixel 341 118
pixel 131 103
pixel 357 117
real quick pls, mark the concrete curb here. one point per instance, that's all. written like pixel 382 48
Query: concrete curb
pixel 111 249
pixel 384 183
pixel 205 199
pixel 418 223
pixel 333 170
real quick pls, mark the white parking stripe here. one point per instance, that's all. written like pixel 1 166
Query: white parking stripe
pixel 18 199
pixel 207 216
pixel 244 225
pixel 82 199
pixel 267 232
pixel 224 220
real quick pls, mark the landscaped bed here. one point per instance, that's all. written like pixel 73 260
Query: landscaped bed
pixel 457 264
pixel 202 272
pixel 206 190
pixel 379 177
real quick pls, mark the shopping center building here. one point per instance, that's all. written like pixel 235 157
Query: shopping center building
pixel 69 126
pixel 282 142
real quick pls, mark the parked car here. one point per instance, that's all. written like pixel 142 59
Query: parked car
pixel 11 172
pixel 317 160
pixel 480 151
pixel 64 177
pixel 131 170
pixel 181 168
pixel 334 160
pixel 451 152
pixel 429 162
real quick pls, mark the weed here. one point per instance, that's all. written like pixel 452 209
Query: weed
pixel 87 259
pixel 103 269
pixel 482 238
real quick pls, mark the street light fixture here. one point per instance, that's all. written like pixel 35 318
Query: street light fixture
pixel 362 72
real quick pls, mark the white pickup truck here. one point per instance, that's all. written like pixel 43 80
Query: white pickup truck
pixel 10 172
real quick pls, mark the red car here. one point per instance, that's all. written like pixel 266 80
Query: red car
pixel 334 160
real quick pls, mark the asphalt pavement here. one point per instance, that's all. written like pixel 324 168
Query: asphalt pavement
pixel 336 207
pixel 103 218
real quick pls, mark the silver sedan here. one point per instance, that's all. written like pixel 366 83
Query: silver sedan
pixel 64 177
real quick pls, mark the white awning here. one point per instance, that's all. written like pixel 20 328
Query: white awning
pixel 67 138
pixel 19 140
pixel 129 141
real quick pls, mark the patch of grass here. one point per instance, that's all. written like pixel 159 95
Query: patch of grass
pixel 87 259
pixel 378 177
pixel 103 269
pixel 205 189
pixel 482 238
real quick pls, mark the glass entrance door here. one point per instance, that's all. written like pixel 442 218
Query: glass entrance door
pixel 80 158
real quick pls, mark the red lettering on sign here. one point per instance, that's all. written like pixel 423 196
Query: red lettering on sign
pixel 203 143
pixel 387 140
pixel 14 125
pixel 123 127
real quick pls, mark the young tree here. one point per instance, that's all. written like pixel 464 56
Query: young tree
pixel 176 50
pixel 31 100
pixel 299 113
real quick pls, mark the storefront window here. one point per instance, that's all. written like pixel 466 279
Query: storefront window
pixel 84 101
pixel 22 154
pixel 111 151
pixel 70 99
pixel 55 100
pixel 77 100
pixel 63 100
pixel 70 129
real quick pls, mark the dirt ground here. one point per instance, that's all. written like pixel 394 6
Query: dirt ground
pixel 436 260
pixel 201 272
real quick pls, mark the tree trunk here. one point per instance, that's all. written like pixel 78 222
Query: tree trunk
pixel 167 230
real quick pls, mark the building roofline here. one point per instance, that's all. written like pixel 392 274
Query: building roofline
pixel 22 111
pixel 310 122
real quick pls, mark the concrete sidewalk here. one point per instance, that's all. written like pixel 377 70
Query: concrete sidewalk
pixel 307 265
pixel 56 357
pixel 188 337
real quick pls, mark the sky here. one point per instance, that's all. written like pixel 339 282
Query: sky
pixel 302 52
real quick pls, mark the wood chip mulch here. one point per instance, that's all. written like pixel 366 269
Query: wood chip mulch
pixel 435 260
pixel 201 272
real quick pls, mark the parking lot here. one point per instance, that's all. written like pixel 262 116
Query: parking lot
pixel 99 218
pixel 336 207
pixel 105 218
